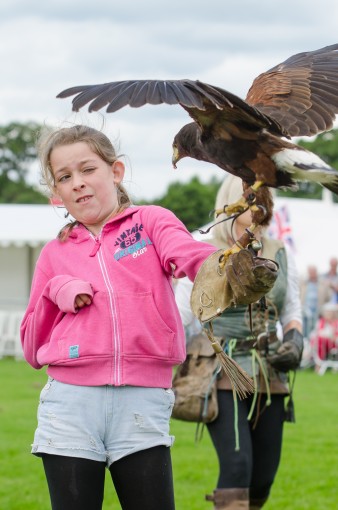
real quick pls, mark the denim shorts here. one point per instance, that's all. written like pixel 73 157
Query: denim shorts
pixel 102 423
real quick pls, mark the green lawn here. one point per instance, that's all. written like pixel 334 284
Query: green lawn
pixel 307 478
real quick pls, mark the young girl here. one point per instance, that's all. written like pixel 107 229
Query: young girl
pixel 102 317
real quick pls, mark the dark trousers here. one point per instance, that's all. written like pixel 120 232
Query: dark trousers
pixel 255 465
pixel 141 480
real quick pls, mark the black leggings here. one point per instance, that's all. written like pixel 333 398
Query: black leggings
pixel 255 465
pixel 142 480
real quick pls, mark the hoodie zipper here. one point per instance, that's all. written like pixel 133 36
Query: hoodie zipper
pixel 112 305
pixel 96 246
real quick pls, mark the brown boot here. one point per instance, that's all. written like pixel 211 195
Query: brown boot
pixel 230 499
pixel 256 504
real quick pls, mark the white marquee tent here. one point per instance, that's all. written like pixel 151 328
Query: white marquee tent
pixel 24 229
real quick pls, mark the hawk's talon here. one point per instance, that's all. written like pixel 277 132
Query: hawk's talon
pixel 251 199
pixel 254 207
pixel 226 254
pixel 237 207
pixel 263 209
pixel 218 212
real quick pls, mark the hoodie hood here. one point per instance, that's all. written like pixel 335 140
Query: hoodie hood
pixel 80 233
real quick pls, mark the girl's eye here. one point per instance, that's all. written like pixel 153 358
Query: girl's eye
pixel 63 178
pixel 88 170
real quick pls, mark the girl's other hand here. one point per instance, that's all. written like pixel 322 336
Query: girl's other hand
pixel 82 300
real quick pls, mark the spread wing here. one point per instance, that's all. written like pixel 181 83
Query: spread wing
pixel 135 93
pixel 207 105
pixel 300 93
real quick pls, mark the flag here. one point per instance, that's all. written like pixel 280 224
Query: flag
pixel 280 227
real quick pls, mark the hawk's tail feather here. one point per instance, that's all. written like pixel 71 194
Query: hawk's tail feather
pixel 332 186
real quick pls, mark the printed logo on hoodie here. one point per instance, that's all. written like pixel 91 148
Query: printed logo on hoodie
pixel 131 243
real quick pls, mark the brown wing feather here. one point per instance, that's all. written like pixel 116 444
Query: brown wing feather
pixel 301 93
pixel 231 112
pixel 136 93
pixel 204 103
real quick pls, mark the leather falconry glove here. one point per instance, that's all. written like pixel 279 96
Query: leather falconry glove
pixel 289 354
pixel 243 280
pixel 225 281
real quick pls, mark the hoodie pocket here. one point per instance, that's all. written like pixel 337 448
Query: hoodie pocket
pixel 143 330
pixel 85 333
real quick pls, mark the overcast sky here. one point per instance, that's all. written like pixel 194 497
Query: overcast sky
pixel 48 46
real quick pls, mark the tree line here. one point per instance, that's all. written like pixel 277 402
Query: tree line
pixel 192 202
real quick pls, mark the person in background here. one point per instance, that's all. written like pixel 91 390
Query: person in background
pixel 102 317
pixel 324 338
pixel 331 277
pixel 247 434
pixel 314 293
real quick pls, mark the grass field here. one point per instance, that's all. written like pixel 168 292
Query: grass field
pixel 307 478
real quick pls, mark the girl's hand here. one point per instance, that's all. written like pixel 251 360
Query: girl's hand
pixel 82 300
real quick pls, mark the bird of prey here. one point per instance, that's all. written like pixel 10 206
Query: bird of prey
pixel 249 138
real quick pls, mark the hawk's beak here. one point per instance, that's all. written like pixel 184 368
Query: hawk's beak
pixel 175 157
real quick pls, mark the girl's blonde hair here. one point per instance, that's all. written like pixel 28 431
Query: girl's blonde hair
pixel 96 140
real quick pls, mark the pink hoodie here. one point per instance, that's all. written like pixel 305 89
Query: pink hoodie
pixel 132 333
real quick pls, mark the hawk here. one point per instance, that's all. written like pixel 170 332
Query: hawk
pixel 249 138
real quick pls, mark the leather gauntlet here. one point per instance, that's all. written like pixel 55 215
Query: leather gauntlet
pixel 244 279
pixel 289 354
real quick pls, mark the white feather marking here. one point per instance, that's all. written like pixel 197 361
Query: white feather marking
pixel 313 167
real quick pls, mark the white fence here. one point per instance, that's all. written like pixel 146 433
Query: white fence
pixel 10 343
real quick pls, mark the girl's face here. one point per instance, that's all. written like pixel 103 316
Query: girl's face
pixel 86 184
